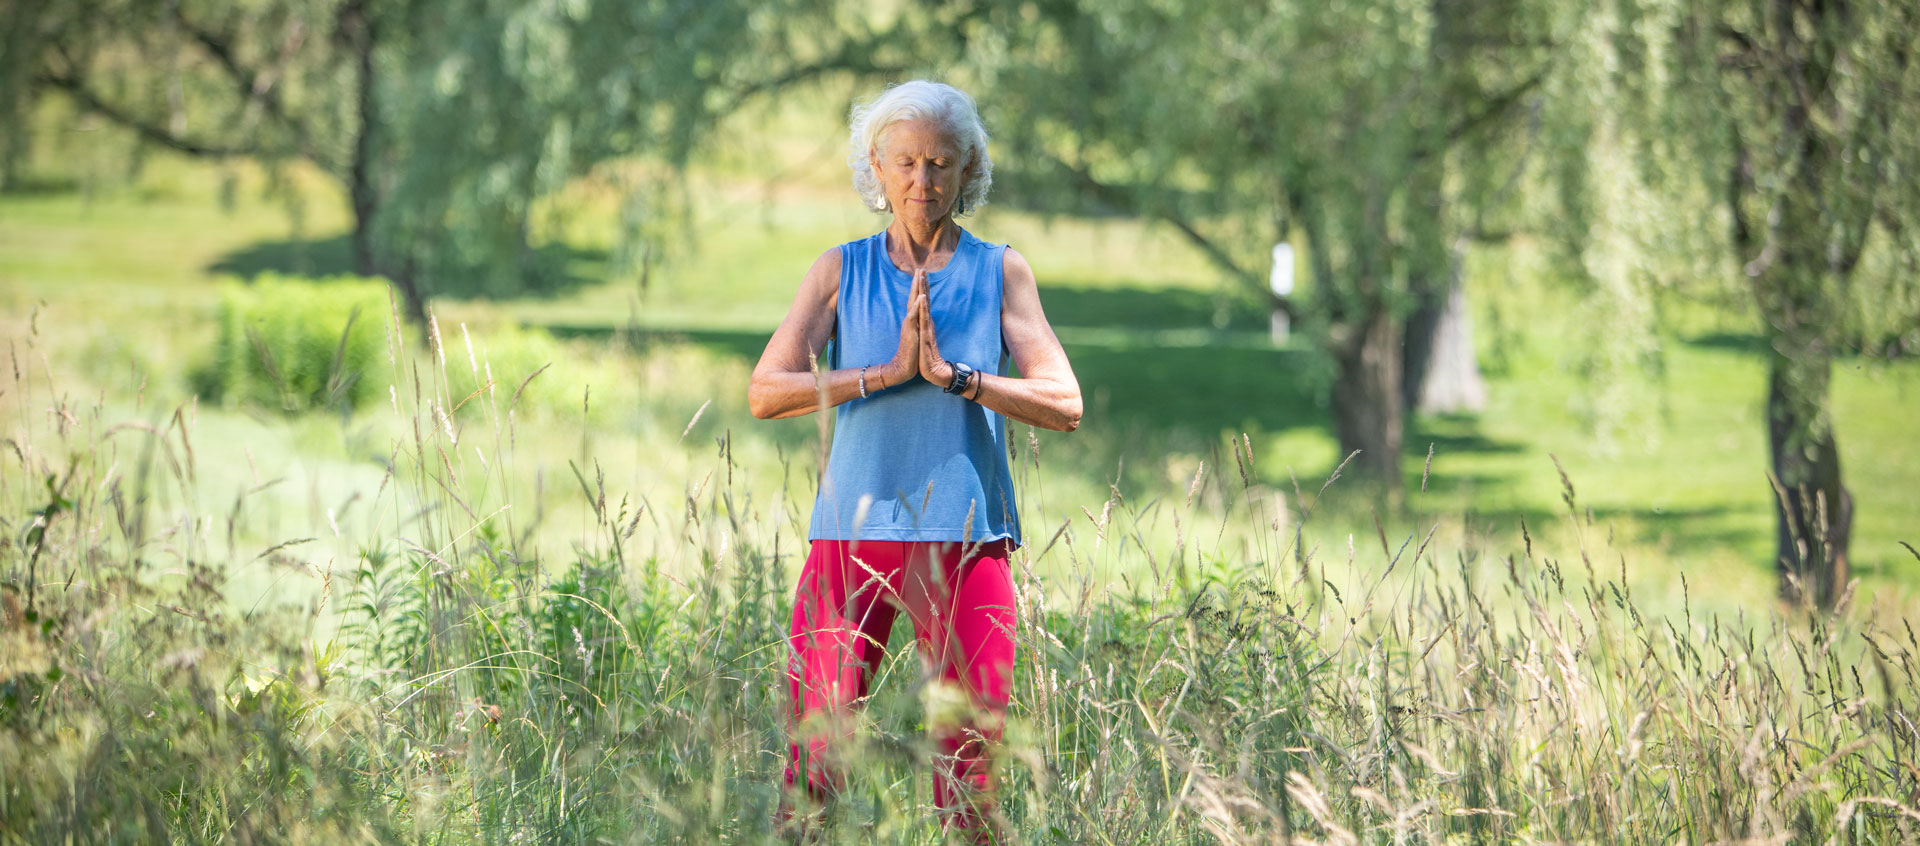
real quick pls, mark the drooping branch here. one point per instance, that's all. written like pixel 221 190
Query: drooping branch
pixel 1497 105
pixel 258 86
pixel 1490 110
pixel 1213 251
pixel 855 59
pixel 1875 125
pixel 854 56
pixel 88 100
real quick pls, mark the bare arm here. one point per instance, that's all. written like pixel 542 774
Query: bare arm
pixel 784 383
pixel 1046 394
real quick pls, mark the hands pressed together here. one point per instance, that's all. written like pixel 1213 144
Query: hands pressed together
pixel 919 351
pixel 787 383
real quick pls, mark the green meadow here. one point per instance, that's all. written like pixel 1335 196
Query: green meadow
pixel 1172 361
pixel 534 587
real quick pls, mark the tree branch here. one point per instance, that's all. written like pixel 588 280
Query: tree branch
pixel 1498 105
pixel 257 86
pixel 92 102
pixel 1213 251
pixel 841 61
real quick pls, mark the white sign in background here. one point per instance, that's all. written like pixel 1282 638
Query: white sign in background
pixel 1281 280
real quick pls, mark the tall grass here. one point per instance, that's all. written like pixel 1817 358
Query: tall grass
pixel 461 680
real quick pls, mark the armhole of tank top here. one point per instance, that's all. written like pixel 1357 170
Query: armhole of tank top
pixel 1000 281
pixel 839 300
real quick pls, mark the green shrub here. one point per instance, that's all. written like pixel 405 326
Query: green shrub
pixel 297 344
pixel 554 378
pixel 512 355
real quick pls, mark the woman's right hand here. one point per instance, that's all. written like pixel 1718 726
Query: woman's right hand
pixel 906 360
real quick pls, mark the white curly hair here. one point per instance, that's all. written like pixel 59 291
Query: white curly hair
pixel 948 108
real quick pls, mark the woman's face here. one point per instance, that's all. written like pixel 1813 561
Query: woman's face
pixel 920 170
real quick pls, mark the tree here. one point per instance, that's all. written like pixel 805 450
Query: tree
pixel 1784 121
pixel 271 82
pixel 1799 115
pixel 1367 129
pixel 444 122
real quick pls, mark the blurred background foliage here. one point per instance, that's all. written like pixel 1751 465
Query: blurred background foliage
pixel 1665 160
pixel 296 345
pixel 459 297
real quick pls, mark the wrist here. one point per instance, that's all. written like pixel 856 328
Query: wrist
pixel 893 373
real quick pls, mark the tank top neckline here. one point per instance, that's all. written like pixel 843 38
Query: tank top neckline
pixel 963 246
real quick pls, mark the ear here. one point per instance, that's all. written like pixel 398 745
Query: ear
pixel 873 163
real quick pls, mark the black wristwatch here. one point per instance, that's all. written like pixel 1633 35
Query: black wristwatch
pixel 962 376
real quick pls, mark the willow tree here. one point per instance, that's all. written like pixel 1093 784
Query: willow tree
pixel 1371 130
pixel 443 122
pixel 1799 115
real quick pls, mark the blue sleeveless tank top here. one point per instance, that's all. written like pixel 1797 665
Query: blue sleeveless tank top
pixel 913 463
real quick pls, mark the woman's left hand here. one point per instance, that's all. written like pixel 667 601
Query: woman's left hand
pixel 933 367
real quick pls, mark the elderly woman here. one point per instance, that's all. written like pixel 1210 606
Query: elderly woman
pixel 915 510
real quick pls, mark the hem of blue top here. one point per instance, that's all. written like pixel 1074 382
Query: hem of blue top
pixel 927 535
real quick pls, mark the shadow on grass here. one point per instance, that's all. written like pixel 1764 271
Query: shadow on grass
pixel 1883 349
pixel 1685 532
pixel 1080 304
pixel 547 271
pixel 1453 434
pixel 1734 342
pixel 1202 388
pixel 40 185
pixel 744 345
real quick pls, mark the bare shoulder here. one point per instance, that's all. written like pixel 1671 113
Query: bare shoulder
pixel 1015 273
pixel 822 282
pixel 1019 291
pixel 826 270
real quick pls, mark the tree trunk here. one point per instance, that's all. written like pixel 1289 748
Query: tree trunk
pixel 1367 412
pixel 1442 373
pixel 1796 282
pixel 358 27
pixel 1813 512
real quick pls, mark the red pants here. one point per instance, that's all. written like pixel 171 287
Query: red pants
pixel 963 621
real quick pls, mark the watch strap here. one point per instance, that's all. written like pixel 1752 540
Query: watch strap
pixel 962 374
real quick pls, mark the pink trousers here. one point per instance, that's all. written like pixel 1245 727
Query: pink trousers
pixel 962 608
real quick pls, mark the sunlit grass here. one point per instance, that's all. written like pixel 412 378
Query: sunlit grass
pixel 1203 659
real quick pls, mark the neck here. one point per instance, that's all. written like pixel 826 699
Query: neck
pixel 920 242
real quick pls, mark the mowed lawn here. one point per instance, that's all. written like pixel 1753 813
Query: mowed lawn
pixel 1172 363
